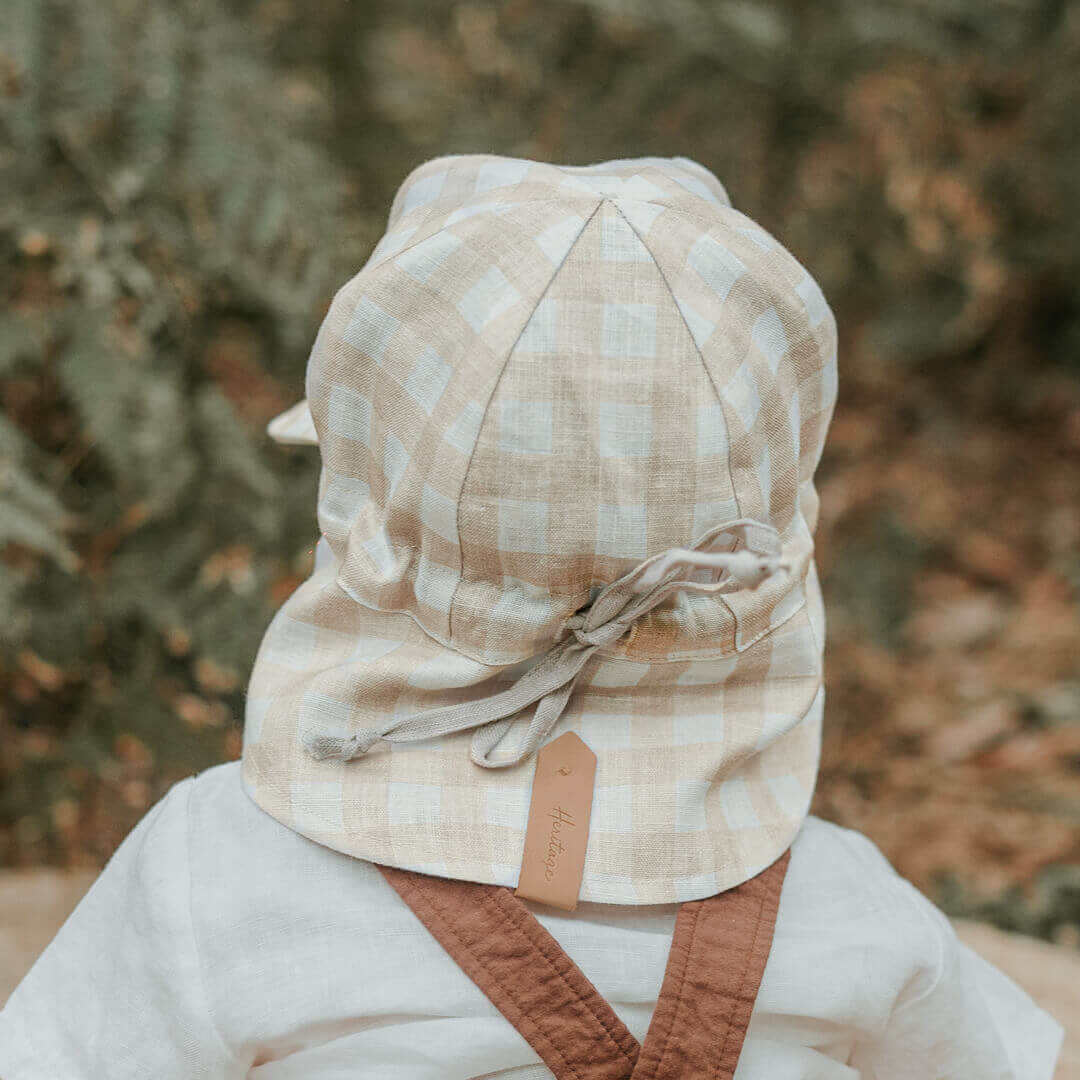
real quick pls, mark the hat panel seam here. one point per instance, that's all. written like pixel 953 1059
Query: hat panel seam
pixel 777 670
pixel 428 214
pixel 623 655
pixel 413 550
pixel 705 366
pixel 374 275
pixel 676 202
pixel 487 405
pixel 690 334
pixel 780 250
pixel 681 657
pixel 740 646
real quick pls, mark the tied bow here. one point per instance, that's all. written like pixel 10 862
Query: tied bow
pixel 612 613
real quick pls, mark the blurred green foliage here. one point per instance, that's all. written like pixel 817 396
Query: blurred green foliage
pixel 185 183
pixel 165 249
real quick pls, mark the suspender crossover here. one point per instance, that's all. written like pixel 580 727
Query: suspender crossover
pixel 714 968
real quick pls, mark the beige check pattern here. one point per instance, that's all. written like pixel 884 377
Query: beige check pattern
pixel 542 376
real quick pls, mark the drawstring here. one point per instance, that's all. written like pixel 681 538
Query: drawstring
pixel 611 614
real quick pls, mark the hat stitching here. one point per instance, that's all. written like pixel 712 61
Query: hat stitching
pixel 487 406
pixel 690 335
pixel 412 549
pixel 641 164
pixel 390 255
pixel 708 225
pixel 668 657
pixel 550 683
pixel 308 804
pixel 716 390
pixel 751 257
pixel 415 550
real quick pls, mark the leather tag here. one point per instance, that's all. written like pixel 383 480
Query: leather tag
pixel 557 833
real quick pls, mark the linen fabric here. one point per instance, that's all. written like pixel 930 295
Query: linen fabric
pixel 218 943
pixel 716 958
pixel 543 376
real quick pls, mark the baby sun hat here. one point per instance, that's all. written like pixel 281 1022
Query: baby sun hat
pixel 569 418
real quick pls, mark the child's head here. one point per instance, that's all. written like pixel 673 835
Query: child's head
pixel 543 377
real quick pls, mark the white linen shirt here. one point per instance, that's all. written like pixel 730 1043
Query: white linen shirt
pixel 218 943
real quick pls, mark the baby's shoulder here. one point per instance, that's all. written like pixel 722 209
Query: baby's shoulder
pixel 239 850
pixel 824 849
pixel 841 888
pixel 829 861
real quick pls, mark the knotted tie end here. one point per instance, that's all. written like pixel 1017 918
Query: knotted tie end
pixel 748 568
pixel 323 747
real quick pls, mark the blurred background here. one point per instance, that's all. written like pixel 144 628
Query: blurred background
pixel 185 183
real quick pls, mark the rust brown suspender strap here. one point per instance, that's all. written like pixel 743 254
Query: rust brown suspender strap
pixel 718 954
pixel 714 968
pixel 499 944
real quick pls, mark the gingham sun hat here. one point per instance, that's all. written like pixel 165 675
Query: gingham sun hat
pixel 569 419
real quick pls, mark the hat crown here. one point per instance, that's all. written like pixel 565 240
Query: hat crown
pixel 546 374
pixel 545 385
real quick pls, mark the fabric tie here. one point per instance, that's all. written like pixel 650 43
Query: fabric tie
pixel 612 613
